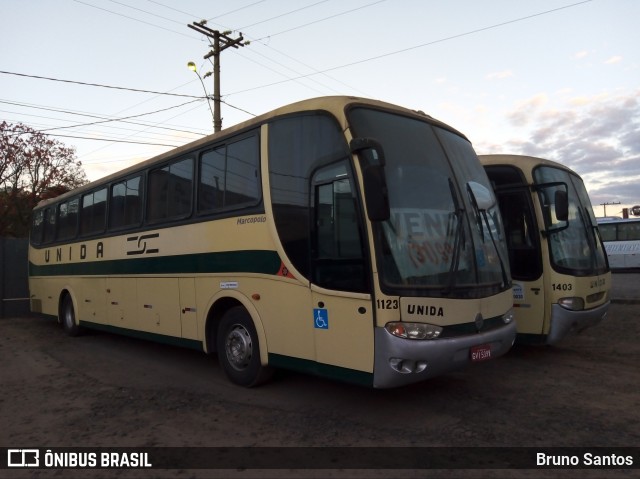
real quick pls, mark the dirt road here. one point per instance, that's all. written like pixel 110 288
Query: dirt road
pixel 105 390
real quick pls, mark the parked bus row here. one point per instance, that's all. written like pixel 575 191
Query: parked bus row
pixel 339 236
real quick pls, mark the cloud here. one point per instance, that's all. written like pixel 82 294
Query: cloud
pixel 521 115
pixel 581 54
pixel 613 60
pixel 598 137
pixel 499 75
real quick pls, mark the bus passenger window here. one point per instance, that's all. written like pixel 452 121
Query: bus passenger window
pixel 229 176
pixel 242 179
pixel 125 206
pixel 37 227
pixel 94 212
pixel 49 224
pixel 170 191
pixel 211 191
pixel 68 219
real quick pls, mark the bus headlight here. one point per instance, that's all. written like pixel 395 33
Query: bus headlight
pixel 508 316
pixel 573 304
pixel 413 330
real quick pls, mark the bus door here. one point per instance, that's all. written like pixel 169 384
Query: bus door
pixel 525 257
pixel 340 290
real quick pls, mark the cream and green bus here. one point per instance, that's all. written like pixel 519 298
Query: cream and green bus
pixel 339 236
pixel 561 278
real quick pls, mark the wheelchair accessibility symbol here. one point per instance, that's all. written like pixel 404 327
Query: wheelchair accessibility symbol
pixel 321 318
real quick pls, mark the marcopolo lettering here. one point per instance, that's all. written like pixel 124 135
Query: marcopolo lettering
pixel 253 219
pixel 425 310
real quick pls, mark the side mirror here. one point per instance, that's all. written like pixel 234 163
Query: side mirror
pixel 376 195
pixel 561 201
pixel 372 147
pixel 554 199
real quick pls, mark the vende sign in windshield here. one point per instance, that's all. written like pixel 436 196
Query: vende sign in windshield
pixel 422 241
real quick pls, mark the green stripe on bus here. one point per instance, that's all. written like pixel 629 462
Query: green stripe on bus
pixel 250 261
pixel 321 369
pixel 158 338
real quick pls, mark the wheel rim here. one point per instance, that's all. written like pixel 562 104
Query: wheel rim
pixel 239 347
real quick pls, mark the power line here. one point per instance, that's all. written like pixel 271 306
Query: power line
pixel 44 127
pixel 236 10
pixel 322 19
pixel 132 18
pixel 395 52
pixel 146 12
pixel 103 119
pixel 111 140
pixel 102 139
pixel 75 82
pixel 282 15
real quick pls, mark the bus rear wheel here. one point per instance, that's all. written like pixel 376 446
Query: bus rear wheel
pixel 69 317
pixel 239 349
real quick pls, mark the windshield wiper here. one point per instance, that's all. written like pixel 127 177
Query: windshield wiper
pixel 592 236
pixel 459 237
pixel 481 216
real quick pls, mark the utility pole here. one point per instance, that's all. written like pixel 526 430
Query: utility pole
pixel 219 42
pixel 607 204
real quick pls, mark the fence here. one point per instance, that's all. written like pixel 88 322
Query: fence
pixel 14 284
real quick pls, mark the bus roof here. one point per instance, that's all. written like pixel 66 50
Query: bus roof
pixel 616 219
pixel 335 105
pixel 523 161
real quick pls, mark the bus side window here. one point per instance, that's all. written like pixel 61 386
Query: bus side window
pixel 229 176
pixel 94 212
pixel 242 178
pixel 629 232
pixel 170 191
pixel 68 219
pixel 125 207
pixel 607 232
pixel 211 188
pixel 49 224
pixel 37 227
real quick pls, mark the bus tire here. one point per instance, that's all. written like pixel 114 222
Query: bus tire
pixel 239 349
pixel 69 317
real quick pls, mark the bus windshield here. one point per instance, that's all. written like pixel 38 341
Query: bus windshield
pixel 444 235
pixel 576 248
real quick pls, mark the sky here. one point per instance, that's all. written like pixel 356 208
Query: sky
pixel 558 79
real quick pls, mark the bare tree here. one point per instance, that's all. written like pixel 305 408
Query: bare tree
pixel 33 167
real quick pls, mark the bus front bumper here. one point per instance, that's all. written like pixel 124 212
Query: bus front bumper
pixel 564 321
pixel 399 362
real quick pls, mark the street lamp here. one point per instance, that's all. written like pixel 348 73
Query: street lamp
pixel 192 67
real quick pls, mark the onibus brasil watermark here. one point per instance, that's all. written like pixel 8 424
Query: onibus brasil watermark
pixel 35 458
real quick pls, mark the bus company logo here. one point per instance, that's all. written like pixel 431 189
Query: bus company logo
pixel 141 244
pixel 424 310
pixel 23 458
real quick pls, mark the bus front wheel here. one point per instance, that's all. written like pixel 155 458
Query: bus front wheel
pixel 69 317
pixel 239 350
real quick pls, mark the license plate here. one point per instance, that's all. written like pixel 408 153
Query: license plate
pixel 481 353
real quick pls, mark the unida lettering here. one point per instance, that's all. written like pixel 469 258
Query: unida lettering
pixel 424 310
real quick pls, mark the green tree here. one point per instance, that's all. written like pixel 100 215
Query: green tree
pixel 33 167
